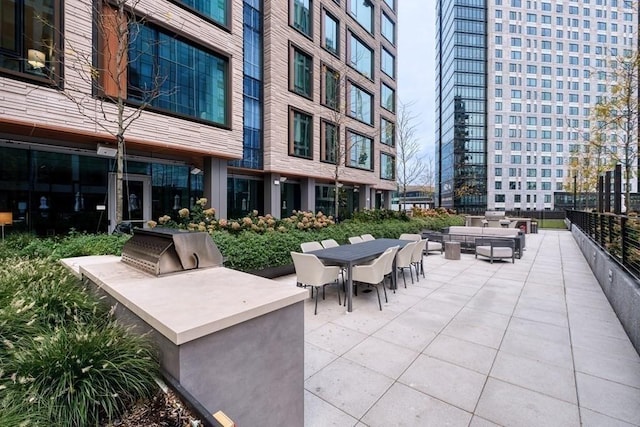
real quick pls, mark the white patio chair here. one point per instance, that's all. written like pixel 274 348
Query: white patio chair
pixel 417 257
pixel 329 243
pixel 388 269
pixel 310 246
pixel 434 246
pixel 408 236
pixel 367 237
pixel 496 249
pixel 403 260
pixel 373 274
pixel 355 239
pixel 312 272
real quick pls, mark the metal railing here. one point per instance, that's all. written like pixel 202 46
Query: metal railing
pixel 618 235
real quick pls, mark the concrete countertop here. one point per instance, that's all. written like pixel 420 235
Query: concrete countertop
pixel 187 305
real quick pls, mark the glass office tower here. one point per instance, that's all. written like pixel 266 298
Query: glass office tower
pixel 461 109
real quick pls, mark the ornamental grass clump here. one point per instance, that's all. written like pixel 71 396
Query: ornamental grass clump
pixel 40 294
pixel 78 374
pixel 63 360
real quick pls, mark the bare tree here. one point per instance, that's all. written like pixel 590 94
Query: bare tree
pixel 103 68
pixel 410 164
pixel 618 114
pixel 336 82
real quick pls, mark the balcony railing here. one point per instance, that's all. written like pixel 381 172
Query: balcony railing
pixel 618 235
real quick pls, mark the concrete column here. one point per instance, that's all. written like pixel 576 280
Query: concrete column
pixel 272 194
pixel 387 199
pixel 365 197
pixel 215 185
pixel 308 194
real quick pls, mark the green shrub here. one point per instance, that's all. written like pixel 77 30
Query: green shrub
pixel 249 251
pixel 72 245
pixel 78 374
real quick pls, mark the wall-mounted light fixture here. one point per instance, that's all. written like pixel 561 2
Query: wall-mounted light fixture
pixel 195 171
pixel 283 179
pixel 106 151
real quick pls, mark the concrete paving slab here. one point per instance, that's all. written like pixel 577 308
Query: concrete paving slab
pixel 527 344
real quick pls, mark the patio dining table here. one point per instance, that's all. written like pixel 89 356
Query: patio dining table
pixel 359 253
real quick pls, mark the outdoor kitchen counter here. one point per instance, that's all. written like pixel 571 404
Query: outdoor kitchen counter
pixel 233 340
pixel 187 305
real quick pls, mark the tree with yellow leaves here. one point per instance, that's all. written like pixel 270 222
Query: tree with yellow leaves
pixel 618 113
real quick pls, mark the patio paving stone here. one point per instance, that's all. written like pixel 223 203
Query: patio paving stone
pixel 417 409
pixel 609 398
pixel 510 405
pixel 475 344
pixel 454 384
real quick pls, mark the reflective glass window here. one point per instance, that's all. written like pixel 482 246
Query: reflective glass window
pixel 387 166
pixel 194 81
pixel 300 134
pixel 360 104
pixel 362 11
pixel 360 148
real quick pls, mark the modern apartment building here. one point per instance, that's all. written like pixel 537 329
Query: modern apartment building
pixel 517 84
pixel 245 102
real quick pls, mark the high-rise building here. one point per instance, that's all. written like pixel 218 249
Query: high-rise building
pixel 248 103
pixel 517 84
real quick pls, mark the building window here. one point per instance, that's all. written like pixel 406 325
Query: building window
pixel 300 134
pixel 387 167
pixel 387 98
pixel 359 149
pixel 362 11
pixel 387 132
pixel 330 88
pixel 301 73
pixel 388 63
pixel 329 148
pixel 302 16
pixel 391 4
pixel 217 10
pixel 388 29
pixel 30 37
pixel 195 82
pixel 499 198
pixel 360 104
pixel 330 33
pixel 360 56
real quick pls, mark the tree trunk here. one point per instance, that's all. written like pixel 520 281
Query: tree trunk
pixel 336 199
pixel 119 179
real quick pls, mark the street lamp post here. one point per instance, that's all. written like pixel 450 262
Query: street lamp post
pixel 575 190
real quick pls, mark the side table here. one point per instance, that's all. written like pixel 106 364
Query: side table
pixel 452 250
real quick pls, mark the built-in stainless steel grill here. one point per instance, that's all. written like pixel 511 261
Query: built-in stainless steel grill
pixel 494 215
pixel 162 251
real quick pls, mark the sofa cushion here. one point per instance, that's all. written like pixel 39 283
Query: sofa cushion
pixel 498 252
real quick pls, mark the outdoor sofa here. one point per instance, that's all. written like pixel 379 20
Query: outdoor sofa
pixel 467 236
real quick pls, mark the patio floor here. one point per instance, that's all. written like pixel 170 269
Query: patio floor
pixel 534 343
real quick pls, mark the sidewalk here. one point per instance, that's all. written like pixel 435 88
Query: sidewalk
pixel 533 343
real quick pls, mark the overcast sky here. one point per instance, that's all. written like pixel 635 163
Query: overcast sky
pixel 416 65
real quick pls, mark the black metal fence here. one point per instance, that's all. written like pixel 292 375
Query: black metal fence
pixel 618 235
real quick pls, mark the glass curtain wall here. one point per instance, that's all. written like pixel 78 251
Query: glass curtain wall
pixel 54 192
pixel 461 166
pixel 252 87
pixel 348 201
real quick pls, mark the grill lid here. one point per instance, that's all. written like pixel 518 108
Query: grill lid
pixel 161 251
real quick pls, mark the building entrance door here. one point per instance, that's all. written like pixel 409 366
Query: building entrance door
pixel 136 195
